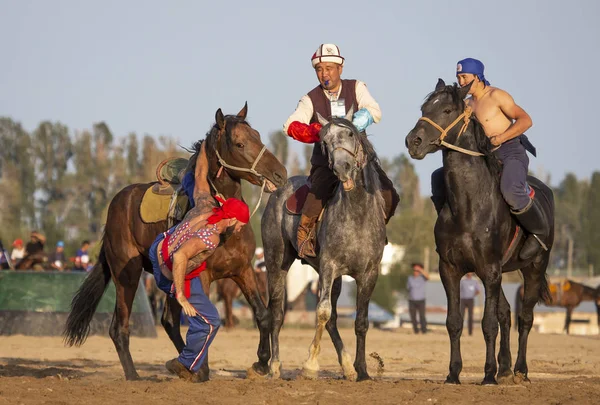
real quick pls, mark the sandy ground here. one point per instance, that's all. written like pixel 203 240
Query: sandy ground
pixel 563 369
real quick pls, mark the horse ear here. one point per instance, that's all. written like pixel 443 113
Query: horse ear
pixel 350 114
pixel 322 120
pixel 243 112
pixel 440 85
pixel 464 90
pixel 220 119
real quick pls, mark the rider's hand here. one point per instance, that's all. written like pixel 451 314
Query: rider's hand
pixel 495 140
pixel 362 119
pixel 188 308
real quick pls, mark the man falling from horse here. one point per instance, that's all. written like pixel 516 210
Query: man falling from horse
pixel 504 122
pixel 333 97
pixel 179 256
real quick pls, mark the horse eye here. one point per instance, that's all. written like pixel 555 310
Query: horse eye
pixel 447 111
pixel 240 145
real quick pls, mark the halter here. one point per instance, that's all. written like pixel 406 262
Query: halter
pixel 252 170
pixel 466 118
pixel 358 153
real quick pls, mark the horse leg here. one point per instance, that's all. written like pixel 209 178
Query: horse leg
pixel 277 304
pixel 246 280
pixel 171 322
pixel 310 368
pixel 228 294
pixel 126 284
pixel 505 373
pixel 492 285
pixel 568 319
pixel 331 326
pixel 454 321
pixel 536 287
pixel 364 289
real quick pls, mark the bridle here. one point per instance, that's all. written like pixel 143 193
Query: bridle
pixel 358 154
pixel 466 118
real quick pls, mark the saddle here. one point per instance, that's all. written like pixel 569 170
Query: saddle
pixel 165 200
pixel 295 202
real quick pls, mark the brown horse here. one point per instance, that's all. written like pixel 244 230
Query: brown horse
pixel 567 294
pixel 235 152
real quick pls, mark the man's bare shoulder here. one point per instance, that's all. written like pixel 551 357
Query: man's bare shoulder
pixel 499 94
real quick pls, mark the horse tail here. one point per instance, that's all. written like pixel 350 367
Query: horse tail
pixel 85 302
pixel 544 293
pixel 518 305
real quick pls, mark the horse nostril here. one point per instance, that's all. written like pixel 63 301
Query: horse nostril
pixel 418 141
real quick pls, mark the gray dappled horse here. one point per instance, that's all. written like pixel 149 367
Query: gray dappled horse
pixel 351 238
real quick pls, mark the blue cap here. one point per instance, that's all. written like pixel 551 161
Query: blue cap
pixel 472 66
pixel 60 244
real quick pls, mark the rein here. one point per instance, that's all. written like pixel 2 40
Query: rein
pixel 251 170
pixel 466 118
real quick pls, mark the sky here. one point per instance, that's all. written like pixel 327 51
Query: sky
pixel 164 68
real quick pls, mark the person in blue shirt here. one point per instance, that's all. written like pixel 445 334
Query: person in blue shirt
pixel 416 286
pixel 469 289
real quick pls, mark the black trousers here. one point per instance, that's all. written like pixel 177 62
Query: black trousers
pixel 468 304
pixel 413 308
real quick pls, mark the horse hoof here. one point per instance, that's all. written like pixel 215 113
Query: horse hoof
pixel 351 376
pixel 521 378
pixel 275 371
pixel 506 378
pixel 132 377
pixel 257 371
pixel 452 380
pixel 489 381
pixel 363 377
pixel 309 374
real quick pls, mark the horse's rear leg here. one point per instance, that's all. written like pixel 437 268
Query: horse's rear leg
pixel 454 320
pixel 568 319
pixel 126 283
pixel 171 322
pixel 505 373
pixel 536 287
pixel 311 366
pixel 246 280
pixel 364 290
pixel 331 326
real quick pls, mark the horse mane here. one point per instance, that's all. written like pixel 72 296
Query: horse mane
pixel 481 139
pixel 212 137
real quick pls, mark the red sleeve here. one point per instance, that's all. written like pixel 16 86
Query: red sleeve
pixel 305 133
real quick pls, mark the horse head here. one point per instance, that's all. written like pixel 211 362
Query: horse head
pixel 341 140
pixel 440 118
pixel 236 148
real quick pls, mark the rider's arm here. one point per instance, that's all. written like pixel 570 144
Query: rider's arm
pixel 297 125
pixel 522 120
pixel 365 100
pixel 190 248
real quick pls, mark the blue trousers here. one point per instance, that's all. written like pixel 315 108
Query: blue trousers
pixel 203 328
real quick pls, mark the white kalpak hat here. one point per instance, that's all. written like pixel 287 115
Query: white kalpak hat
pixel 327 53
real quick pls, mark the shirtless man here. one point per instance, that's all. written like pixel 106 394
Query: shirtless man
pixel 504 122
pixel 179 256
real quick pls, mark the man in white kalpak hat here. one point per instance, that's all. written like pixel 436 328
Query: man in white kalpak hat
pixel 333 97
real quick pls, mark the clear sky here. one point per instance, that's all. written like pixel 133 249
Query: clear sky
pixel 163 68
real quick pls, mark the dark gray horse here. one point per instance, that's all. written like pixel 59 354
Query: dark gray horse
pixel 475 230
pixel 351 238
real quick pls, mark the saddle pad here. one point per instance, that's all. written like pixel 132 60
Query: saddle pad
pixel 295 202
pixel 154 207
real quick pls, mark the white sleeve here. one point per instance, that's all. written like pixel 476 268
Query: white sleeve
pixel 365 100
pixel 304 112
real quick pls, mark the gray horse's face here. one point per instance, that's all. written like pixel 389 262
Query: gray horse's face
pixel 341 140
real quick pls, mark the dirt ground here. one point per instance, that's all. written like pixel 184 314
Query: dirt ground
pixel 563 369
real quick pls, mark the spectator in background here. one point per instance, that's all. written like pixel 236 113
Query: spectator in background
pixel 259 263
pixel 57 259
pixel 18 251
pixel 469 289
pixel 36 244
pixel 416 286
pixel 82 257
pixel 3 258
